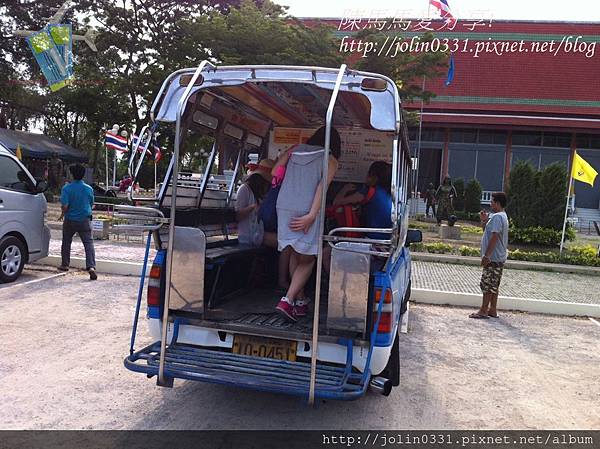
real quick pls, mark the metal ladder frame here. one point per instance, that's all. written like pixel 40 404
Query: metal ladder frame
pixel 174 175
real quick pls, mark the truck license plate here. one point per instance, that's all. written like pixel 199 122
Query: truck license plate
pixel 265 347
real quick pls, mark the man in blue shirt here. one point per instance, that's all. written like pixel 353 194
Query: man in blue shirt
pixel 77 199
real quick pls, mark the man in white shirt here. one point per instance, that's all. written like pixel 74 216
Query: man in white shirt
pixel 494 251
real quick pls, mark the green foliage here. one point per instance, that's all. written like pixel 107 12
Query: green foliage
pixel 140 42
pixel 473 196
pixel 583 250
pixel 534 256
pixel 436 248
pixel 522 195
pixel 468 229
pixel 423 226
pixel 459 201
pixel 469 251
pixel 552 192
pixel 406 69
pixel 536 235
pixel 576 255
pixel 467 216
pixel 537 198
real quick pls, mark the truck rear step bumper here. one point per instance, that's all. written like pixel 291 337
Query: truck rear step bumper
pixel 279 376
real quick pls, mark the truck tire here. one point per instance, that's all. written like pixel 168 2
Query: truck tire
pixel 12 258
pixel 392 369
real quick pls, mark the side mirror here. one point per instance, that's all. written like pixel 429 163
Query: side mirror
pixel 41 186
pixel 413 236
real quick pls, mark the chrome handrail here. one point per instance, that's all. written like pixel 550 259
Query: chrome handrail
pixel 154 218
pixel 315 335
pixel 174 175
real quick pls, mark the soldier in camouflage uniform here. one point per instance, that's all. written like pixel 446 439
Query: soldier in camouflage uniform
pixel 444 197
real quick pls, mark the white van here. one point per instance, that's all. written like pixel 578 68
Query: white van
pixel 24 236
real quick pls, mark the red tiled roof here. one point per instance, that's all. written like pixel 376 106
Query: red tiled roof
pixel 543 83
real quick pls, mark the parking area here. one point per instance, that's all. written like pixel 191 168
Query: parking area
pixel 64 340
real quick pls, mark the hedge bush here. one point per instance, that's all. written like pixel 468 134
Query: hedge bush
pixel 539 236
pixel 459 201
pixel 473 196
pixel 577 255
pixel 468 229
pixel 436 248
pixel 469 251
pixel 467 216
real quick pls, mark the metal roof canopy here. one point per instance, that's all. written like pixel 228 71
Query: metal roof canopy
pixel 40 146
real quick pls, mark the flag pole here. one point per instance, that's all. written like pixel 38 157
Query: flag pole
pixel 106 161
pixel 562 239
pixel 418 152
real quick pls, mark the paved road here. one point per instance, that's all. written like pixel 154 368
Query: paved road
pixel 64 340
pixel 516 283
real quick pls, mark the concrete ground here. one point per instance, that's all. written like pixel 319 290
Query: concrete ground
pixel 64 340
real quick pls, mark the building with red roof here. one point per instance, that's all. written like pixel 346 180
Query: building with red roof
pixel 521 90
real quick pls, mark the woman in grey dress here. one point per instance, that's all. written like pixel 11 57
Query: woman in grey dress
pixel 298 206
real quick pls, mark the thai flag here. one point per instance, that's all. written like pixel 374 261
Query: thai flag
pixel 134 142
pixel 444 8
pixel 157 152
pixel 116 142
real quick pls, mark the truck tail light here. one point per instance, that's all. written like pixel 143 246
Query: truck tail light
pixel 385 321
pixel 153 298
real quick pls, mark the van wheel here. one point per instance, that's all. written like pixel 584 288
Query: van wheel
pixel 392 369
pixel 404 305
pixel 12 258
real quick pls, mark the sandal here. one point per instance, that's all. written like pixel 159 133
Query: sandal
pixel 478 316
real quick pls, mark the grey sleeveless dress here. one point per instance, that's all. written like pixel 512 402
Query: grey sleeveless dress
pixel 302 176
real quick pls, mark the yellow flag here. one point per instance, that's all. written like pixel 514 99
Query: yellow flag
pixel 582 171
pixel 18 152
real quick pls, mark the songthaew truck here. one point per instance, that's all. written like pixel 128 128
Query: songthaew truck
pixel 210 301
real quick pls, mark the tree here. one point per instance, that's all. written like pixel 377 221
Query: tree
pixel 473 196
pixel 459 201
pixel 552 191
pixel 522 195
pixel 405 68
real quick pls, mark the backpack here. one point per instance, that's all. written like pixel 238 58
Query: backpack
pixel 348 215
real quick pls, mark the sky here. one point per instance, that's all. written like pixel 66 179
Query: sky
pixel 571 10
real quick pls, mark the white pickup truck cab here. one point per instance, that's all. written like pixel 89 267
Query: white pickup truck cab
pixel 24 236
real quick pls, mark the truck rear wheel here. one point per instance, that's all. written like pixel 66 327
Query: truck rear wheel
pixel 12 258
pixel 404 305
pixel 392 369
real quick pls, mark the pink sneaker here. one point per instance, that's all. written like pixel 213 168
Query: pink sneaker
pixel 286 309
pixel 301 308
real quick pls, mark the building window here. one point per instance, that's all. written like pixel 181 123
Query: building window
pixel 463 135
pixel 527 138
pixel 561 140
pixel 492 137
pixel 588 141
pixel 432 135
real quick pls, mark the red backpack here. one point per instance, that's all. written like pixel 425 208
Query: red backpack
pixel 348 215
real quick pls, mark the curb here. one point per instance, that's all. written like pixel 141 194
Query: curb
pixel 102 266
pixel 514 264
pixel 421 295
